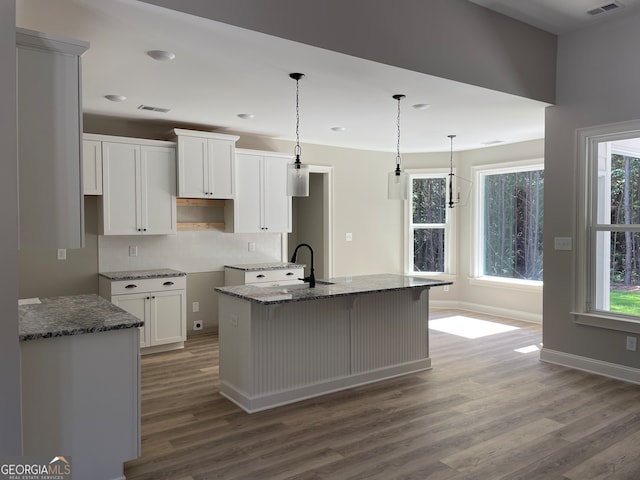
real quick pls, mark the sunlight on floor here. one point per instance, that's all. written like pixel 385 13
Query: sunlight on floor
pixel 468 327
pixel 529 349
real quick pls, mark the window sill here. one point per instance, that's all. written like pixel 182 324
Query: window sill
pixel 602 320
pixel 445 277
pixel 495 282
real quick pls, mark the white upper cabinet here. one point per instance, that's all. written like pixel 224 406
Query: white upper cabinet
pixel 49 122
pixel 138 188
pixel 261 203
pixel 91 166
pixel 206 164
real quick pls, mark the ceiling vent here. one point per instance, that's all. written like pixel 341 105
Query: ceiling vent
pixel 604 8
pixel 153 109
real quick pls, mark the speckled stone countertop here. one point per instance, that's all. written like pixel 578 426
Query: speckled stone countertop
pixel 256 267
pixel 141 274
pixel 334 287
pixel 72 315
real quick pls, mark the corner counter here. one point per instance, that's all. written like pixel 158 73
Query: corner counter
pixel 81 383
pixel 280 345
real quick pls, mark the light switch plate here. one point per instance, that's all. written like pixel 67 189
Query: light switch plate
pixel 562 243
pixel 349 237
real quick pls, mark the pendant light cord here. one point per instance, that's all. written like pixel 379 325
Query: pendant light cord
pixel 451 202
pixel 398 146
pixel 297 150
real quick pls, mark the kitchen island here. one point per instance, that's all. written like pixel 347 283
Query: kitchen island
pixel 279 345
pixel 80 383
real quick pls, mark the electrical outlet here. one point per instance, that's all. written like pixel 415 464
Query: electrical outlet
pixel 251 246
pixel 446 288
pixel 234 320
pixel 133 250
pixel 195 307
pixel 197 324
pixel 62 254
pixel 348 237
pixel 632 344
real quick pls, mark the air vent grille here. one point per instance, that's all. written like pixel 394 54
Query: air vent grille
pixel 604 8
pixel 153 109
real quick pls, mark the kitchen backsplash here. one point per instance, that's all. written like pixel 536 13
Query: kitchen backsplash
pixel 189 251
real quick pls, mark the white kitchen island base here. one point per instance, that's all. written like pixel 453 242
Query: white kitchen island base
pixel 277 352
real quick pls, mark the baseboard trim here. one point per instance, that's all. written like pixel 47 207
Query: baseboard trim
pixel 489 310
pixel 611 370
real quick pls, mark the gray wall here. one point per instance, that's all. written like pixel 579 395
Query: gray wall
pixel 598 78
pixel 10 416
pixel 452 39
pixel 41 274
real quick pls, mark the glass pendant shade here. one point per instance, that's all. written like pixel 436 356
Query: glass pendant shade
pixel 398 186
pixel 297 179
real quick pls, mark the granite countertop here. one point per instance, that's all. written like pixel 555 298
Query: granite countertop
pixel 334 287
pixel 142 274
pixel 256 267
pixel 72 315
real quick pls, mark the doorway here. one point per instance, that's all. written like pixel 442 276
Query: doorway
pixel 311 220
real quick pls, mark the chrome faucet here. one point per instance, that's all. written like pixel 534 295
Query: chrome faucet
pixel 311 278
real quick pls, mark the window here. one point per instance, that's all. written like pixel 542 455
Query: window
pixel 430 239
pixel 509 222
pixel 611 223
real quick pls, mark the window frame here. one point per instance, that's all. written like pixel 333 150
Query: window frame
pixel 449 226
pixel 586 211
pixel 477 256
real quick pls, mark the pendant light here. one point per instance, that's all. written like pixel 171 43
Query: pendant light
pixel 398 182
pixel 451 202
pixel 297 173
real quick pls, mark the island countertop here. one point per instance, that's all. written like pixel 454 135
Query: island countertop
pixel 72 315
pixel 331 288
pixel 258 267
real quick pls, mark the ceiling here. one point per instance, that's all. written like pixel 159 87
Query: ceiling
pixel 221 71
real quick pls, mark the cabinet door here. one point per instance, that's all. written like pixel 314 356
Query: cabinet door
pixel 221 168
pixel 276 203
pixel 121 189
pixel 138 305
pixel 168 317
pixel 158 196
pixel 247 204
pixel 92 167
pixel 193 167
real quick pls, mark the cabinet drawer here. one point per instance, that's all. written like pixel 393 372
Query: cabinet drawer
pixel 148 285
pixel 271 276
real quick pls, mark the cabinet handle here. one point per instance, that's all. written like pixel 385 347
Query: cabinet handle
pixel 166 284
pixel 144 229
pixel 139 229
pixel 289 273
pixel 153 296
pixel 260 276
pixel 148 298
pixel 131 285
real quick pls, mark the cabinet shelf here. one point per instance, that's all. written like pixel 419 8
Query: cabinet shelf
pixel 184 226
pixel 197 214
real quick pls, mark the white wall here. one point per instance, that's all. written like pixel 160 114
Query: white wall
pixel 10 417
pixel 598 78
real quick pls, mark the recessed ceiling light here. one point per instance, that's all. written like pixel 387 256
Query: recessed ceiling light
pixel 339 129
pixel 115 98
pixel 421 106
pixel 246 116
pixel 161 55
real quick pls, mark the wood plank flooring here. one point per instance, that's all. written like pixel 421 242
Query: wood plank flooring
pixel 484 411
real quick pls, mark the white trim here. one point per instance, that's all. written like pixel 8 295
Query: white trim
pixel 610 322
pixel 599 367
pixel 507 283
pixel 252 404
pixel 488 310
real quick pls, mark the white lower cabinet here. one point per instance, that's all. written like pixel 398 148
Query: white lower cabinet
pixel 160 303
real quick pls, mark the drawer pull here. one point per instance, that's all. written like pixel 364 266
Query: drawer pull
pixel 167 284
pixel 131 285
pixel 260 276
pixel 289 273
